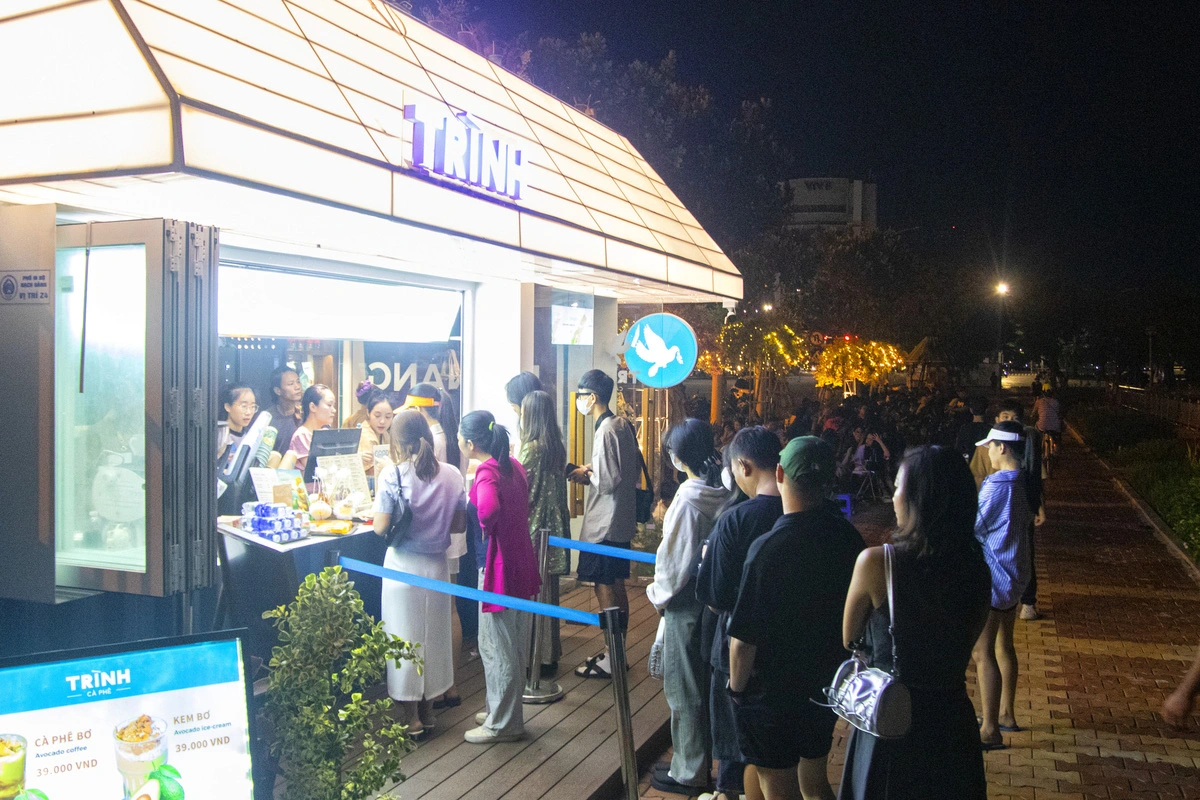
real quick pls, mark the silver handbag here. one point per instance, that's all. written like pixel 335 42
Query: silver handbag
pixel 871 699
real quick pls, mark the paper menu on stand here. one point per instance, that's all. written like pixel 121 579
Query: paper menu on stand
pixel 352 462
pixel 265 480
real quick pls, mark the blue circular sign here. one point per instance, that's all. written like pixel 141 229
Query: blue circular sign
pixel 661 350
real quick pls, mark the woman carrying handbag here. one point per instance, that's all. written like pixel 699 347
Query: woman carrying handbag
pixel 942 590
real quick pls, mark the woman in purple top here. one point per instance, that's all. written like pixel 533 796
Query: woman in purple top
pixel 500 494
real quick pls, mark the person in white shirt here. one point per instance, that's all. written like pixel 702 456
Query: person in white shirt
pixel 437 408
pixel 686 527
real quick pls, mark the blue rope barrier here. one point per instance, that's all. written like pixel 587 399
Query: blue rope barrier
pixel 568 614
pixel 603 549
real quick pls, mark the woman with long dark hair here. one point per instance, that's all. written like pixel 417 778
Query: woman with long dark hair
pixel 437 407
pixel 376 428
pixel 687 524
pixel 500 494
pixel 435 494
pixel 318 410
pixel 942 587
pixel 545 458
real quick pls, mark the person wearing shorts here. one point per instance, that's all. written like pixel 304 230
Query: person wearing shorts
pixel 1002 528
pixel 609 504
pixel 785 633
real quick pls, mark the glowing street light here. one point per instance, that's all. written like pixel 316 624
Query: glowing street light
pixel 1001 289
pixel 767 307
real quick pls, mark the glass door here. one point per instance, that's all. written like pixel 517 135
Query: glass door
pixel 134 363
pixel 100 400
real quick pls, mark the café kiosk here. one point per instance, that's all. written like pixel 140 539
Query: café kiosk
pixel 217 188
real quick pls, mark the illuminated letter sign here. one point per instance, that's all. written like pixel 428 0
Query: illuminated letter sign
pixel 455 146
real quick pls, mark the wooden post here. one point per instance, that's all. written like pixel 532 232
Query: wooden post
pixel 718 391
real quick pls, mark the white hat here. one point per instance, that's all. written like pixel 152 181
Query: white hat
pixel 995 435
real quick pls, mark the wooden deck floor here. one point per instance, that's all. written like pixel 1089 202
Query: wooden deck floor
pixel 570 750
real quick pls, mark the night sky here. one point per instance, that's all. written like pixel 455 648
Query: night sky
pixel 1059 136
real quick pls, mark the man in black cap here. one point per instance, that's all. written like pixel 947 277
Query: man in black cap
pixel 786 630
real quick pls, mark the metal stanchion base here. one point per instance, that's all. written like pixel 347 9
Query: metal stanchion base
pixel 546 692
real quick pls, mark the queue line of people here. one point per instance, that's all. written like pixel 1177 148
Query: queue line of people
pixel 790 587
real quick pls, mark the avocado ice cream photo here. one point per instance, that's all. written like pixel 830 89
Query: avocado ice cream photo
pixel 141 750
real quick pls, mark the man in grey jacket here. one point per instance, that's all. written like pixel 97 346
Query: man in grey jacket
pixel 610 505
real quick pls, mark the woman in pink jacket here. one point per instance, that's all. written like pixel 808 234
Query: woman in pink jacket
pixel 500 494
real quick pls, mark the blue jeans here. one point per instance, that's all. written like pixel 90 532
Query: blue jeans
pixel 685 683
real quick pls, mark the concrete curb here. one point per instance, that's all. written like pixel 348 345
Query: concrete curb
pixel 1162 531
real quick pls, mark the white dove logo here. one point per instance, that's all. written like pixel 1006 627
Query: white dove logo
pixel 654 350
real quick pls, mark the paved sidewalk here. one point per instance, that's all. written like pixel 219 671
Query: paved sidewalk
pixel 1121 622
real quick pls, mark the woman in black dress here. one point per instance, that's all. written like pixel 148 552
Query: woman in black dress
pixel 942 589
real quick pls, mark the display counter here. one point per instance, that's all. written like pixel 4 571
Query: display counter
pixel 260 575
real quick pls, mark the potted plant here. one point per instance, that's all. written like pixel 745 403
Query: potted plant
pixel 330 651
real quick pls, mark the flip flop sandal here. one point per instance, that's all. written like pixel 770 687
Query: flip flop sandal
pixel 993 746
pixel 592 669
pixel 1010 728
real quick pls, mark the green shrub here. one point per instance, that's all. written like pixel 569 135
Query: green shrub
pixel 330 653
pixel 1108 430
pixel 1162 468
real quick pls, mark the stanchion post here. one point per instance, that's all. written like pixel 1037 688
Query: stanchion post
pixel 614 637
pixel 333 558
pixel 535 691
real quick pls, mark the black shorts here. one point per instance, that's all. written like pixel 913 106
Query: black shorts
pixel 776 734
pixel 603 570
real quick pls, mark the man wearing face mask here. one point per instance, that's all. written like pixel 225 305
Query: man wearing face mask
pixel 609 506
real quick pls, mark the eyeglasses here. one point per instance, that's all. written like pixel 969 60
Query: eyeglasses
pixel 584 393
pixel 246 406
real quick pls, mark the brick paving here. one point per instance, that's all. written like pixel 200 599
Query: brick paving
pixel 1121 622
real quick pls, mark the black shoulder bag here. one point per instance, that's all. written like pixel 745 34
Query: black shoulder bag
pixel 644 497
pixel 402 517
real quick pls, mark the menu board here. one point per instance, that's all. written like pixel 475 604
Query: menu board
pixel 160 724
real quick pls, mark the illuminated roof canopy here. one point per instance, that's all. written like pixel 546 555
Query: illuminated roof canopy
pixel 308 98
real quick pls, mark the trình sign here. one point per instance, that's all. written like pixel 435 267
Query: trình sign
pixel 457 147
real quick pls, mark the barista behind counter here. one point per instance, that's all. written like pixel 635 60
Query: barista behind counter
pixel 318 411
pixel 285 413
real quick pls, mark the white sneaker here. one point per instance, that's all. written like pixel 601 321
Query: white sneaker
pixel 1029 612
pixel 482 735
pixel 481 718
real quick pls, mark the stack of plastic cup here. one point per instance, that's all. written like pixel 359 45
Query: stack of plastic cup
pixel 275 522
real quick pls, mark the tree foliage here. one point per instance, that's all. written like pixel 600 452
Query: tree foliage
pixel 329 653
pixel 854 360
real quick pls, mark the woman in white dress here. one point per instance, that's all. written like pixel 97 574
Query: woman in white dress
pixel 435 493
pixel 437 407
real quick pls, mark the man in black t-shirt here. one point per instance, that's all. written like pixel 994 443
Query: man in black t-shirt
pixel 786 629
pixel 751 457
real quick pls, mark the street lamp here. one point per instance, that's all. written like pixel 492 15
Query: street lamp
pixel 768 307
pixel 1001 292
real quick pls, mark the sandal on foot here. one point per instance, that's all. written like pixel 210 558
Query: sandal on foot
pixel 993 746
pixel 592 669
pixel 448 702
pixel 1010 728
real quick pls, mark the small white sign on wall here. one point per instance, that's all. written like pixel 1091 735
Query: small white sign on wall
pixel 19 287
